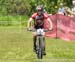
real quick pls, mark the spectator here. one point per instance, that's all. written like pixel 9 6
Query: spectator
pixel 71 11
pixel 67 13
pixel 61 10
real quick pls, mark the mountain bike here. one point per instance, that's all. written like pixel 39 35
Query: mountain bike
pixel 40 42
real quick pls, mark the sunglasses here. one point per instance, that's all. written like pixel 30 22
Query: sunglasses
pixel 39 10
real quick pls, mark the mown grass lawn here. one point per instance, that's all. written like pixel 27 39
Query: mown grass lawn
pixel 16 45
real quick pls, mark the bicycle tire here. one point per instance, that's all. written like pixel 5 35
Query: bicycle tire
pixel 40 49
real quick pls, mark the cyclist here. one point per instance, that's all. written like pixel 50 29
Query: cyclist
pixel 39 16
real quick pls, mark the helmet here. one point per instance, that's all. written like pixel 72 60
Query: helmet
pixel 39 8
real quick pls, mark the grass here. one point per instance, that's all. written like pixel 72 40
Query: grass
pixel 10 20
pixel 13 18
pixel 16 46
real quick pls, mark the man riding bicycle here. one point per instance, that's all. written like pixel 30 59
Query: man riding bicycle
pixel 39 16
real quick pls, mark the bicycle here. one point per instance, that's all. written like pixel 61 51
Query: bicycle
pixel 40 40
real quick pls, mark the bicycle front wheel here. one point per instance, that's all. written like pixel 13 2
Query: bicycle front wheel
pixel 40 48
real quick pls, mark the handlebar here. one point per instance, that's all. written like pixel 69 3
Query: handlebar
pixel 34 30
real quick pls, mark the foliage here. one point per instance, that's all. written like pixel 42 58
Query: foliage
pixel 27 7
pixel 13 20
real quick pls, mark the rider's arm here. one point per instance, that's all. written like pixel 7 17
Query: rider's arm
pixel 50 24
pixel 30 20
pixel 29 23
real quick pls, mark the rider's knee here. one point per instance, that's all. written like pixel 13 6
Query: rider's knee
pixel 34 34
pixel 43 34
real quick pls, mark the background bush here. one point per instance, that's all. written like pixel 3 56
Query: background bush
pixel 20 10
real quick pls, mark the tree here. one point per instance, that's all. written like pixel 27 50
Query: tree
pixel 27 7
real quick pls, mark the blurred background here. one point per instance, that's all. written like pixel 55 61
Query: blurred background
pixel 15 12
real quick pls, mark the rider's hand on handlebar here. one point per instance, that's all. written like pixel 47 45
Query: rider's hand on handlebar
pixel 29 29
pixel 50 29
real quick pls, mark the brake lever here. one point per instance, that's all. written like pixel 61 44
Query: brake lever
pixel 28 29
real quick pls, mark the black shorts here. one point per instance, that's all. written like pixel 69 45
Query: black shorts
pixel 37 27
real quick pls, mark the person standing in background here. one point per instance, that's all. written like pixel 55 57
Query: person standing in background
pixel 71 11
pixel 61 9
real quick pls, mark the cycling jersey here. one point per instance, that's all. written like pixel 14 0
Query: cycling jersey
pixel 39 20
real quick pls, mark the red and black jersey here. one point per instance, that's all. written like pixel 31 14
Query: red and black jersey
pixel 39 19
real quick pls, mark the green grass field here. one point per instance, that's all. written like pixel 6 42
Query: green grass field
pixel 16 46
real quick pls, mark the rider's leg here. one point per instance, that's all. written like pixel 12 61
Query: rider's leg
pixel 34 41
pixel 44 43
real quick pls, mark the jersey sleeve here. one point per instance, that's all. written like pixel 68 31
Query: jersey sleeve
pixel 45 16
pixel 33 16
